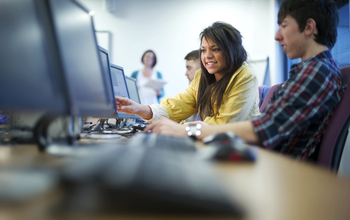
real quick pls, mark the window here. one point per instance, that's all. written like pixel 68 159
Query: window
pixel 341 50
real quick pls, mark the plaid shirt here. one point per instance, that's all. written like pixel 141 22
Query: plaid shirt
pixel 300 108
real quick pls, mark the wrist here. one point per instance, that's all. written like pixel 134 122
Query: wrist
pixel 145 112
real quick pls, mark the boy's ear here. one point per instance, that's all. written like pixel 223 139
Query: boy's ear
pixel 310 28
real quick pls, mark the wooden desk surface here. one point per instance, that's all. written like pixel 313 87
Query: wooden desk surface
pixel 274 187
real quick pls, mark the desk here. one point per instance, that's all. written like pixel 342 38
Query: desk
pixel 273 188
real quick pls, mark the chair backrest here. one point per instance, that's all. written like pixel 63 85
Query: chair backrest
pixel 344 162
pixel 262 93
pixel 336 132
pixel 267 97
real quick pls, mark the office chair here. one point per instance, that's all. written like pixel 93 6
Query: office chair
pixel 332 144
pixel 267 97
pixel 267 77
pixel 344 162
pixel 262 93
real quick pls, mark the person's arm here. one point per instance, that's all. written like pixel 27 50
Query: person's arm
pixel 130 107
pixel 242 129
pixel 183 104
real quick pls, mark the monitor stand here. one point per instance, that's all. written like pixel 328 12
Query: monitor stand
pixel 100 131
pixel 41 131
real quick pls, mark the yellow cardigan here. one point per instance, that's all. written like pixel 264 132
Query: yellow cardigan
pixel 241 97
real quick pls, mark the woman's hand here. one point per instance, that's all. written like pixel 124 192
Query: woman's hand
pixel 126 105
pixel 167 127
pixel 130 107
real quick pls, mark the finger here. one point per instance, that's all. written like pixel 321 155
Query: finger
pixel 156 126
pixel 157 130
pixel 149 127
pixel 119 98
pixel 127 109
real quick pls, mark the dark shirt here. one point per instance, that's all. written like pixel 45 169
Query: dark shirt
pixel 298 112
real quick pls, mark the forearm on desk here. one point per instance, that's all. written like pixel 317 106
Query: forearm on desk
pixel 243 129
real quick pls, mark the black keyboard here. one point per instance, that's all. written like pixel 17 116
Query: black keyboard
pixel 142 139
pixel 142 179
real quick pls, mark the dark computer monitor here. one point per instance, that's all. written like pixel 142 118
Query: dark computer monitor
pixel 30 73
pixel 81 62
pixel 50 62
pixel 120 87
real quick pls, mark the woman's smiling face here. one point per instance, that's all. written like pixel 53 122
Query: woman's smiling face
pixel 212 58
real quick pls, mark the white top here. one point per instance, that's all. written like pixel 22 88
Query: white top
pixel 158 112
pixel 148 96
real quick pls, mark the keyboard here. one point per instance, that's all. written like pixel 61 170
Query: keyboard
pixel 146 180
pixel 143 139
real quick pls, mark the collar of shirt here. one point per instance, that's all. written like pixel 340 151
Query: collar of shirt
pixel 295 67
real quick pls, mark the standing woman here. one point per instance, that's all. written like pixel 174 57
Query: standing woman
pixel 224 90
pixel 148 96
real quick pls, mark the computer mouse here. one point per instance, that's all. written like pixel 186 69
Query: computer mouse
pixel 139 127
pixel 229 147
pixel 227 136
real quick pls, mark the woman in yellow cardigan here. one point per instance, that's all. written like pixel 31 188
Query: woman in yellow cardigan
pixel 224 90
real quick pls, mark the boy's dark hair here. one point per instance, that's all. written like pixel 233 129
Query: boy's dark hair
pixel 154 54
pixel 193 55
pixel 210 91
pixel 324 12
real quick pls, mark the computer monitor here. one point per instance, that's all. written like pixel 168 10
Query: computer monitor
pixel 30 73
pixel 50 62
pixel 106 65
pixel 87 84
pixel 133 90
pixel 120 87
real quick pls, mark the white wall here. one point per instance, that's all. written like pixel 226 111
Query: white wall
pixel 171 28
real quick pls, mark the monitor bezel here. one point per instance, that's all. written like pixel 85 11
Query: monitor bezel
pixel 122 114
pixel 59 104
pixel 83 108
pixel 137 90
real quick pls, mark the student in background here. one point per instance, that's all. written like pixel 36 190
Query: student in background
pixel 148 95
pixel 299 111
pixel 223 90
pixel 192 64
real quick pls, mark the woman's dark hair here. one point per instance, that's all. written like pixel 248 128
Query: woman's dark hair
pixel 154 59
pixel 324 12
pixel 210 91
